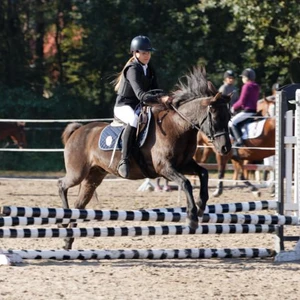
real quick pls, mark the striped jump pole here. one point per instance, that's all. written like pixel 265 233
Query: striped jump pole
pixel 15 211
pixel 134 231
pixel 193 253
pixel 157 216
pixel 229 207
pixel 25 221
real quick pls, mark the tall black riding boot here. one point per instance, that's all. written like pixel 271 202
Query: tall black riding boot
pixel 237 134
pixel 128 140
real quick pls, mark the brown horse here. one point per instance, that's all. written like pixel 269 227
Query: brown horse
pixel 265 108
pixel 248 153
pixel 15 131
pixel 167 152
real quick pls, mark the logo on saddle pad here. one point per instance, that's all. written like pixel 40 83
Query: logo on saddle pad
pixel 110 137
pixel 253 130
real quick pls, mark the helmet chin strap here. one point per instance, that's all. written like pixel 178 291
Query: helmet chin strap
pixel 137 59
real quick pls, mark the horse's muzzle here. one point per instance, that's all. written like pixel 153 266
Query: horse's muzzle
pixel 222 142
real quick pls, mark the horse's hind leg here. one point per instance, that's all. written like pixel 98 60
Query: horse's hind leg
pixel 87 190
pixel 88 187
pixel 64 184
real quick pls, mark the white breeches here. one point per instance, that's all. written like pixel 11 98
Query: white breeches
pixel 127 115
pixel 241 116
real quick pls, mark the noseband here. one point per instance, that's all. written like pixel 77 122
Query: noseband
pixel 212 135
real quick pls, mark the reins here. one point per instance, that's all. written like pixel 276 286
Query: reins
pixel 185 118
pixel 212 135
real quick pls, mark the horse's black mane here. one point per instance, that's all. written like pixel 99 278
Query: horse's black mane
pixel 193 85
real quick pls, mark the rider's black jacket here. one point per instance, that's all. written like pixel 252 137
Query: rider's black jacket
pixel 135 84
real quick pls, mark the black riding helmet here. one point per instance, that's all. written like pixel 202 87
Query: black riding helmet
pixel 142 43
pixel 229 73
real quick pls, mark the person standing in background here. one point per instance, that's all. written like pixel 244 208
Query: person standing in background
pixel 228 86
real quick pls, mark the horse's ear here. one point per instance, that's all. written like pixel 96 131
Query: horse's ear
pixel 270 99
pixel 212 88
pixel 216 97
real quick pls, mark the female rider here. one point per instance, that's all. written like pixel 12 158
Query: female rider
pixel 133 87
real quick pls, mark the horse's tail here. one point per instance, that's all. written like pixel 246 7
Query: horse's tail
pixel 69 130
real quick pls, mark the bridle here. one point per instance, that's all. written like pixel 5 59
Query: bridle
pixel 212 135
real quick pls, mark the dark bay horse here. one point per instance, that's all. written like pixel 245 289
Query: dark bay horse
pixel 15 131
pixel 247 153
pixel 167 152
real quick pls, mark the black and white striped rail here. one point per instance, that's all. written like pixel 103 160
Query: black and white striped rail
pixel 229 207
pixel 134 231
pixel 91 214
pixel 157 216
pixel 193 253
pixel 25 221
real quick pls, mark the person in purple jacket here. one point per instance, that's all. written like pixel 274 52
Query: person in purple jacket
pixel 245 106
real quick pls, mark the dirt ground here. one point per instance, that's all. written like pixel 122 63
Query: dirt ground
pixel 141 279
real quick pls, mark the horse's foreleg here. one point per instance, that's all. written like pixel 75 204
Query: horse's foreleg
pixel 205 155
pixel 251 187
pixel 222 162
pixel 159 188
pixel 236 171
pixel 203 194
pixel 166 187
pixel 184 183
pixel 194 169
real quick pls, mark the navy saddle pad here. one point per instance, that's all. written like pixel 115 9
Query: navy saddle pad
pixel 111 135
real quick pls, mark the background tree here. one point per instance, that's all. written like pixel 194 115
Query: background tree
pixel 58 58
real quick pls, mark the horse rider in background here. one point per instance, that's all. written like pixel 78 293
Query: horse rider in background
pixel 245 106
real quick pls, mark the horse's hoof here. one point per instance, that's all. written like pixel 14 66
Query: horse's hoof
pixel 167 188
pixel 158 188
pixel 217 193
pixel 193 224
pixel 256 194
pixel 200 213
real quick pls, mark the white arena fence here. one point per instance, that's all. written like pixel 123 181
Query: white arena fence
pixel 210 166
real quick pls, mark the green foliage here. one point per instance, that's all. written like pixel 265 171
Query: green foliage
pixel 25 161
pixel 58 58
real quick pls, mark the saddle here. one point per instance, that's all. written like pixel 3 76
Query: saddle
pixel 111 136
pixel 252 127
